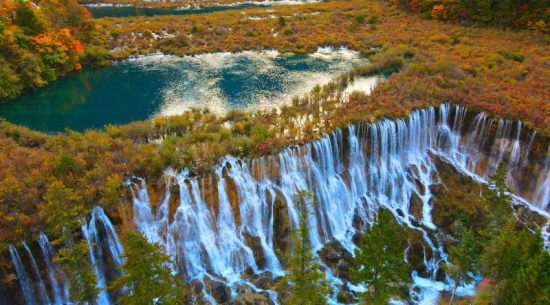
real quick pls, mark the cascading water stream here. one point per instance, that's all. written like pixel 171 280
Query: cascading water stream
pixel 225 222
pixel 24 280
pixel 57 277
pixel 45 299
pixel 91 234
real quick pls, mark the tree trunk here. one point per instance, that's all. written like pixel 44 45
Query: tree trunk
pixel 454 290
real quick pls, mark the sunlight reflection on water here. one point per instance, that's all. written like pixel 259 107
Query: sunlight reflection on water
pixel 140 89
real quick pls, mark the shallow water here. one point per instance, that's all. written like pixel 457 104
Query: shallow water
pixel 165 85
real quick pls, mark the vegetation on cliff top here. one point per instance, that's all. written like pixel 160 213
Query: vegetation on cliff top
pixel 39 43
pixel 501 72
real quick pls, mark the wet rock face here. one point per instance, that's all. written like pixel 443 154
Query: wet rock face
pixel 345 295
pixel 337 258
pixel 281 222
pixel 415 207
pixel 444 138
pixel 9 286
pixel 255 244
pixel 218 290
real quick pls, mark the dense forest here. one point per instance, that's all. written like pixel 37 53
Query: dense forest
pixel 525 14
pixel 41 42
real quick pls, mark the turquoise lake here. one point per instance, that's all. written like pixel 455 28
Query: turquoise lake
pixel 164 85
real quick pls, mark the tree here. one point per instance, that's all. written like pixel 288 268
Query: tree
pixel 82 279
pixel 463 258
pixel 499 200
pixel 501 253
pixel 147 277
pixel 63 209
pixel 380 264
pixel 26 19
pixel 531 285
pixel 303 279
pixel 282 21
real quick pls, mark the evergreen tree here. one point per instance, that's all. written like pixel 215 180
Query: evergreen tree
pixel 379 264
pixel 463 258
pixel 501 254
pixel 499 200
pixel 81 275
pixel 303 280
pixel 147 277
pixel 26 20
pixel 531 285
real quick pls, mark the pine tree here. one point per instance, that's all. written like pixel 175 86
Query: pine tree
pixel 147 277
pixel 26 19
pixel 531 284
pixel 499 200
pixel 501 254
pixel 81 275
pixel 463 258
pixel 303 280
pixel 379 264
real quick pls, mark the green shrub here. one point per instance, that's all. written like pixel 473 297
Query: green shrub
pixel 114 33
pixel 360 19
pixel 245 145
pixel 260 133
pixel 96 56
pixel 442 39
pixel 445 66
pixel 421 68
pixel 374 19
pixel 511 55
pixel 288 32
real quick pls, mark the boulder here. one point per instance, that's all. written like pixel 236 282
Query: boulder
pixel 253 298
pixel 358 239
pixel 218 290
pixel 265 283
pixel 337 258
pixel 421 188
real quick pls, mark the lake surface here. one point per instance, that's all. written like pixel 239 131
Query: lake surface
pixel 128 11
pixel 165 85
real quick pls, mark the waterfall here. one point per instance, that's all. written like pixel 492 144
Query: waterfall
pixel 24 280
pixel 96 251
pixel 224 222
pixel 43 293
pixel 57 277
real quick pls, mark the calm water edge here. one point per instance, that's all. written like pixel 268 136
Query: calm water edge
pixel 140 89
